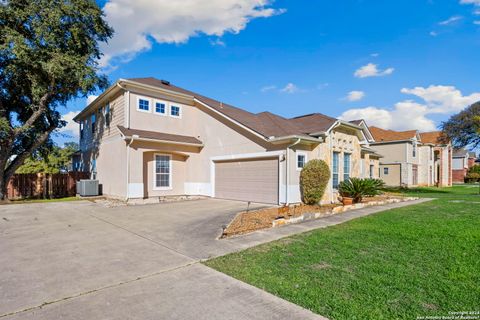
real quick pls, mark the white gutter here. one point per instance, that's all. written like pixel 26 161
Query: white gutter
pixel 128 165
pixel 288 169
pixel 290 137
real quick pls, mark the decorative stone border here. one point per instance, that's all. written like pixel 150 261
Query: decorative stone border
pixel 336 210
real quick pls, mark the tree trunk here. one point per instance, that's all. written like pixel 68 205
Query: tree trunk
pixel 3 189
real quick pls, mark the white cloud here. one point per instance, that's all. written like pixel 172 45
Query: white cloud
pixel 374 55
pixel 477 22
pixel 268 88
pixel 433 33
pixel 290 88
pixel 138 24
pixel 355 96
pixel 474 2
pixel 371 70
pixel 476 12
pixel 90 99
pixel 443 99
pixel 71 127
pixel 450 20
pixel 409 114
pixel 217 42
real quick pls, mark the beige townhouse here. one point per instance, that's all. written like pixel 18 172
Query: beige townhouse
pixel 145 137
pixel 412 158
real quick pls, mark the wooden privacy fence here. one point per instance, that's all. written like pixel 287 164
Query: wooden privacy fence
pixel 44 185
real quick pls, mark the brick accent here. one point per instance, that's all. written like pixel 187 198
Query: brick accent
pixel 459 175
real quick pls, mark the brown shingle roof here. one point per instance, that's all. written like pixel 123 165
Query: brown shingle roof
pixel 380 134
pixel 315 122
pixel 160 136
pixel 433 137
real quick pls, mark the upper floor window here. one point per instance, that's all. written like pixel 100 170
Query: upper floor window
pixel 160 107
pixel 346 166
pixel 414 150
pixel 143 105
pixel 301 160
pixel 92 122
pixel 107 115
pixel 82 125
pixel 335 169
pixel 175 111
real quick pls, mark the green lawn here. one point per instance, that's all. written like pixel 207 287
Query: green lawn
pixel 414 261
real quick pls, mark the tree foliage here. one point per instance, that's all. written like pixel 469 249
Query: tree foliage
pixel 463 129
pixel 313 181
pixel 48 55
pixel 55 161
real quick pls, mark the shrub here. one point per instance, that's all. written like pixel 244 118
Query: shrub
pixel 357 188
pixel 474 169
pixel 472 177
pixel 313 181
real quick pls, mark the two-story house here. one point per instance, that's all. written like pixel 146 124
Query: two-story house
pixel 461 162
pixel 145 137
pixel 412 158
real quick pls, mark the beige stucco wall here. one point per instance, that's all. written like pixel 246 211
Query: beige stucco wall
pixel 393 176
pixel 425 168
pixel 392 152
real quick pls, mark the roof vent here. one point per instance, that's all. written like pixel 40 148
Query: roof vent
pixel 165 82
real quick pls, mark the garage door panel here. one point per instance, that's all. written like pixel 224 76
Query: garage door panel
pixel 247 180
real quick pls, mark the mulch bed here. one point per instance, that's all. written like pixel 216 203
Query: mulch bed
pixel 249 221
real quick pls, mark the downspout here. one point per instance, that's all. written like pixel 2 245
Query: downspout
pixel 128 165
pixel 288 169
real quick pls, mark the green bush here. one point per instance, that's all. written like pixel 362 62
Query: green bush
pixel 472 177
pixel 357 188
pixel 474 169
pixel 313 181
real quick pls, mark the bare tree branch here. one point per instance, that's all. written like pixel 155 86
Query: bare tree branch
pixel 19 159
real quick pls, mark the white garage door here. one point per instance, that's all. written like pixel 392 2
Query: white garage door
pixel 253 180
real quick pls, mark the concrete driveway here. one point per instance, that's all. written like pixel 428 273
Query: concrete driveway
pixel 78 260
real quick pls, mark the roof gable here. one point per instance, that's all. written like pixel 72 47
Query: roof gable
pixel 382 135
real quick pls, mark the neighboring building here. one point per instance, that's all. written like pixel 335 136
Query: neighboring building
pixel 148 138
pixel 462 161
pixel 412 158
pixel 442 155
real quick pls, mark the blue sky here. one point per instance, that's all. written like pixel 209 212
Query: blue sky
pixel 416 61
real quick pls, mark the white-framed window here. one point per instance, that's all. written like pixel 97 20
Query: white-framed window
pixel 335 159
pixel 301 160
pixel 143 104
pixel 160 107
pixel 106 115
pixel 346 166
pixel 162 172
pixel 175 111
